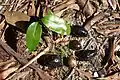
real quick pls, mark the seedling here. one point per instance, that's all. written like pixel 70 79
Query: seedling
pixel 52 22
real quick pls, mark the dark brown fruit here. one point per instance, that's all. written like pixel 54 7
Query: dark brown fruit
pixel 78 31
pixel 50 60
pixel 74 45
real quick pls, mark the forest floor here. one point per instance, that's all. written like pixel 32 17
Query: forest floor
pixel 90 52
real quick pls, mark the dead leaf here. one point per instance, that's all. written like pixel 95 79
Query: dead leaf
pixel 86 6
pixel 14 16
pixel 18 19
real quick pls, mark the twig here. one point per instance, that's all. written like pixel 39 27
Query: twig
pixel 70 73
pixel 23 61
pixel 30 62
pixel 35 58
pixel 110 54
pixel 87 74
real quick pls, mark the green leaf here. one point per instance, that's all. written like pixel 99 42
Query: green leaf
pixel 56 24
pixel 33 35
pixel 50 12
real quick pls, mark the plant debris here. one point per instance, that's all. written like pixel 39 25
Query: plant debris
pixel 82 38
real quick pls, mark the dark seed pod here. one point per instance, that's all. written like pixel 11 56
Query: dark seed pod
pixel 74 45
pixel 78 31
pixel 50 60
pixel 72 61
pixel 85 55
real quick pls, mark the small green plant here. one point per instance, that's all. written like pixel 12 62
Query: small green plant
pixel 52 22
